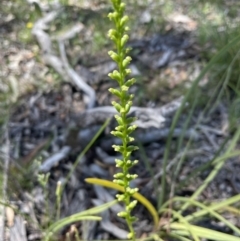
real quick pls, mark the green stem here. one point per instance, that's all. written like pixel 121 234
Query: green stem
pixel 119 37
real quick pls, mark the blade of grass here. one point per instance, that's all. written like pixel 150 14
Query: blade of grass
pixel 238 83
pixel 226 81
pixel 236 90
pixel 69 220
pixel 85 215
pixel 176 236
pixel 179 111
pixel 181 229
pixel 207 210
pixel 183 221
pixel 219 162
pixel 80 156
pixel 148 166
pixel 232 210
pixel 84 152
pixel 156 237
pixel 204 166
pixel 216 206
pixel 200 118
pixel 137 196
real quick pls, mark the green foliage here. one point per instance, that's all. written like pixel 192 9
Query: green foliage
pixel 218 26
pixel 184 230
pixel 89 214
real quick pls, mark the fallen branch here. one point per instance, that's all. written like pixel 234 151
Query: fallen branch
pixel 61 65
pixel 76 78
pixel 146 117
pixel 54 159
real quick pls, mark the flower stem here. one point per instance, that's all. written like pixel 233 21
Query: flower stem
pixel 124 129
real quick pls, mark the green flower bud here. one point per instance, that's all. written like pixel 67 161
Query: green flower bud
pixel 122 214
pixel 127 50
pixel 128 106
pixel 126 61
pixel 132 205
pixel 130 120
pixel 131 177
pixel 131 191
pixel 136 190
pixel 131 98
pixel 119 182
pixel 130 235
pixel 129 162
pixel 128 71
pixel 131 139
pixel 117 134
pixel 122 111
pixel 124 40
pixel 119 163
pixel 120 197
pixel 113 15
pixel 110 16
pixel 118 175
pixel 119 128
pixel 132 148
pixel 131 128
pixel 118 148
pixel 124 20
pixel 128 154
pixel 115 92
pixel 117 106
pixel 115 75
pixel 112 34
pixel 124 88
pixel 113 55
pixel 135 162
pixel 119 119
pixel 130 82
pixel 122 7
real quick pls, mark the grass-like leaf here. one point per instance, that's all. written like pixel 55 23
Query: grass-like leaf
pixel 207 210
pixel 219 162
pixel 137 196
pixel 84 215
pixel 179 111
pixel 182 229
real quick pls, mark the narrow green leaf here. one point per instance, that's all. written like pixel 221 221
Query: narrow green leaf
pixel 179 228
pixel 137 196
